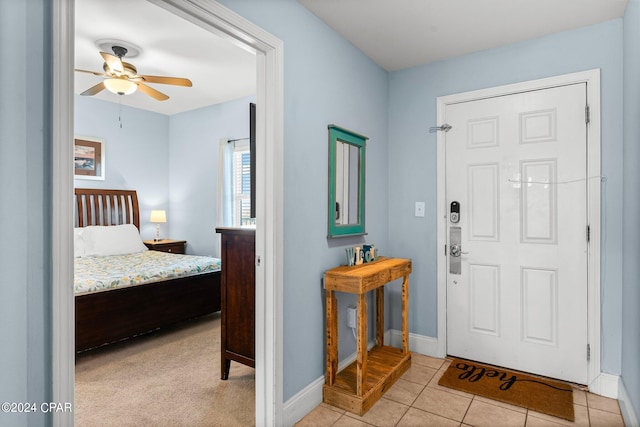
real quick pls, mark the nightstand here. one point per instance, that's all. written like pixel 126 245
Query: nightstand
pixel 167 245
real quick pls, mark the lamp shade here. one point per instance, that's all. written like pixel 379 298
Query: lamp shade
pixel 120 86
pixel 158 216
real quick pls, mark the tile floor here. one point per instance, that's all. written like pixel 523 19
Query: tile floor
pixel 416 399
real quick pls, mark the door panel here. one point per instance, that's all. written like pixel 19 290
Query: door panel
pixel 483 202
pixel 517 165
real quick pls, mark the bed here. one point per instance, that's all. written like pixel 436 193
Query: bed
pixel 108 311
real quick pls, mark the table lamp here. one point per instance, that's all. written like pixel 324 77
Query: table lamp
pixel 158 217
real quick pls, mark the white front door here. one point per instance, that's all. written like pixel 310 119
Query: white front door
pixel 517 279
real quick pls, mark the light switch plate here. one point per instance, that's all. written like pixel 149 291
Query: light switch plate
pixel 420 209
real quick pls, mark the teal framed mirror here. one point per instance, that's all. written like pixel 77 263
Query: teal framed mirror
pixel 346 182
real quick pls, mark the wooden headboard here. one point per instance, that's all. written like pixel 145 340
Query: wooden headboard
pixel 94 206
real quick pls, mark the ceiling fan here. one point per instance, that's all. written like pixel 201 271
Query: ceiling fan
pixel 122 78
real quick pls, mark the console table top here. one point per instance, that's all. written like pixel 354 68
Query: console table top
pixel 359 279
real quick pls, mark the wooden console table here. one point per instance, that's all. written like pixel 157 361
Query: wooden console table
pixel 357 387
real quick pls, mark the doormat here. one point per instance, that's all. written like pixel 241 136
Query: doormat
pixel 539 394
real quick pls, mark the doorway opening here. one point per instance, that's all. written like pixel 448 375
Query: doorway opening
pixel 269 231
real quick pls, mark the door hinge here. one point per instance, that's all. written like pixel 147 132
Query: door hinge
pixel 588 233
pixel 588 352
pixel 587 114
pixel 445 250
pixel 258 260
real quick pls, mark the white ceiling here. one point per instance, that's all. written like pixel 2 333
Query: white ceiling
pixel 396 34
pixel 399 34
pixel 170 46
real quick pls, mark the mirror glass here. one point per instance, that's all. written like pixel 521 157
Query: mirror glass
pixel 347 174
pixel 346 182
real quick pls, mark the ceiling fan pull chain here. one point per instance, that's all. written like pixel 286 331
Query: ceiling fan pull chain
pixel 120 111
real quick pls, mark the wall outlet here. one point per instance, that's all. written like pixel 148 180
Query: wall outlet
pixel 351 317
pixel 419 211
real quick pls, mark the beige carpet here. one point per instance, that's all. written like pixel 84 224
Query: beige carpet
pixel 167 378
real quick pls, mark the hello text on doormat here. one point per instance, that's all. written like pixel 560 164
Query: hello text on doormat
pixel 539 394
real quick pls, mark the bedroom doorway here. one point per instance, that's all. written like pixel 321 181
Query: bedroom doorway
pixel 269 201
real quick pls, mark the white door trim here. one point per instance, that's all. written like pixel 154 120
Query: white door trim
pixel 592 78
pixel 62 302
pixel 269 201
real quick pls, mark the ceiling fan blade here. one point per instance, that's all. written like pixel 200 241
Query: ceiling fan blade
pixel 95 73
pixel 147 90
pixel 178 81
pixel 94 89
pixel 114 63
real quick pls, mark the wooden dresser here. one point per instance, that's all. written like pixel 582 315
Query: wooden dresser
pixel 238 297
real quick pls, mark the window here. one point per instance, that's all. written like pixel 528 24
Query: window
pixel 234 184
pixel 242 185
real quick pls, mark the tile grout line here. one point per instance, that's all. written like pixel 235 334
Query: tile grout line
pixel 424 387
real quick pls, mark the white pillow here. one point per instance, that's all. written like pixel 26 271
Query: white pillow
pixel 112 240
pixel 78 242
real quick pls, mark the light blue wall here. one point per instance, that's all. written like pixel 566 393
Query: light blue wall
pixel 171 161
pixel 631 215
pixel 136 144
pixel 327 81
pixel 193 164
pixel 25 205
pixel 412 155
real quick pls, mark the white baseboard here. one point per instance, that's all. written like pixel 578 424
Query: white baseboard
pixel 417 343
pixel 302 403
pixel 626 407
pixel 606 385
pixel 307 399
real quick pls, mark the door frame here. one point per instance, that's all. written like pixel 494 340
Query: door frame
pixel 222 21
pixel 592 80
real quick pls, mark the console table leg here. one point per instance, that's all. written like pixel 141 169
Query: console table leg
pixel 405 314
pixel 380 317
pixel 332 337
pixel 362 345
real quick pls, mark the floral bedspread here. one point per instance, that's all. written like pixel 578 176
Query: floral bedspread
pixel 105 272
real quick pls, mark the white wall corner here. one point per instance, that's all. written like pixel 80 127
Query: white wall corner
pixel 606 385
pixel 421 344
pixel 626 407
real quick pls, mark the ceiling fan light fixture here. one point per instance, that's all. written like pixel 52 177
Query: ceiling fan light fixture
pixel 120 86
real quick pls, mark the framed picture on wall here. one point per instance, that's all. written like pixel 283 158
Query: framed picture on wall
pixel 88 158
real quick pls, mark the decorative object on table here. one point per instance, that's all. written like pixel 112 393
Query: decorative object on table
pixel 350 256
pixel 369 253
pixel 158 217
pixel 357 255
